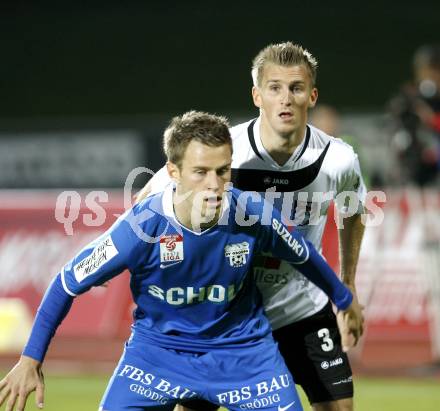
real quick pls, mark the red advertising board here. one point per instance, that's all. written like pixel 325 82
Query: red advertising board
pixel 398 275
pixel 35 244
pixel 398 280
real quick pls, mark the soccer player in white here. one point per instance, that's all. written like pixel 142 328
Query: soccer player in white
pixel 303 169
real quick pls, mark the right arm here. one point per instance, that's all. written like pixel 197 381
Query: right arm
pixel 27 375
pixel 101 260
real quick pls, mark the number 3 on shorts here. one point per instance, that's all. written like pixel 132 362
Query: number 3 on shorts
pixel 328 345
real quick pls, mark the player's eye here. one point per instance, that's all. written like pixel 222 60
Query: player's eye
pixel 223 171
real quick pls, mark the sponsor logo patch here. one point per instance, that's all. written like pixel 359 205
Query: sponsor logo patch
pixel 333 363
pixel 280 181
pixel 261 395
pixel 343 381
pixel 280 408
pixel 154 388
pixel 101 254
pixel 283 232
pixel 237 253
pixel 171 249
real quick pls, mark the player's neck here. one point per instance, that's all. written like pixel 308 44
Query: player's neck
pixel 281 147
pixel 189 217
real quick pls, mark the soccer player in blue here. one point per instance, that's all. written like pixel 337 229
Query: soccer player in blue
pixel 199 329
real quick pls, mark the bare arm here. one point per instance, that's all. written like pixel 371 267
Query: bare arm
pixel 350 239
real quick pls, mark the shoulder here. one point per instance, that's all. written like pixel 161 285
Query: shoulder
pixel 147 215
pixel 249 204
pixel 240 131
pixel 160 180
pixel 340 155
pixel 241 196
pixel 150 202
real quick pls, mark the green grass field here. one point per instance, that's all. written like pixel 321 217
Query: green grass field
pixel 76 393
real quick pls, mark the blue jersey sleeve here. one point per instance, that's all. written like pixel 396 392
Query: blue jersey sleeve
pixel 289 245
pixel 53 308
pixel 107 256
pixel 117 249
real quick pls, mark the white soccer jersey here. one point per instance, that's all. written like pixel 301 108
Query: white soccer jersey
pixel 320 168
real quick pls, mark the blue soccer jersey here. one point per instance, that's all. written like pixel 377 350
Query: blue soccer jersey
pixel 193 290
pixel 199 316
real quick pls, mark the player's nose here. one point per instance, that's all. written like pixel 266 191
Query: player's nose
pixel 286 97
pixel 213 181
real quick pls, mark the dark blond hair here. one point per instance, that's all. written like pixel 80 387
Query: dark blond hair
pixel 283 54
pixel 205 128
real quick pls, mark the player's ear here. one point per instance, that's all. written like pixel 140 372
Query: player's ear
pixel 173 171
pixel 313 97
pixel 256 96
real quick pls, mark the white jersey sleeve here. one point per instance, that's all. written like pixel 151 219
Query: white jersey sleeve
pixel 159 181
pixel 351 190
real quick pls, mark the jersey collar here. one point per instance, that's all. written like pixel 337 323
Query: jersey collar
pixel 168 209
pixel 258 148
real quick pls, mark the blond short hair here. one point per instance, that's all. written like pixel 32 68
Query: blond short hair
pixel 283 54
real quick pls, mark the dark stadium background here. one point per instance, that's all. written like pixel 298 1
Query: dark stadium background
pixel 69 59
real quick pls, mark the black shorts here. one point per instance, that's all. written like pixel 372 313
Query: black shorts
pixel 313 353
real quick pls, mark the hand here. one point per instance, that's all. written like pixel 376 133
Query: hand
pixel 24 378
pixel 350 324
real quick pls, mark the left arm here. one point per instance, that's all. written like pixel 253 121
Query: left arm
pixel 351 231
pixel 289 245
pixel 350 235
pixel 102 259
pixel 350 239
pixel 293 248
